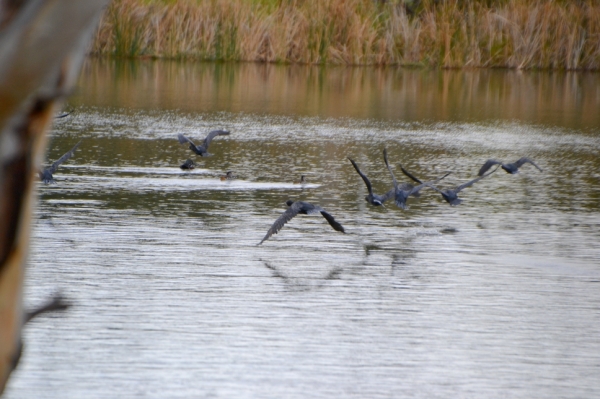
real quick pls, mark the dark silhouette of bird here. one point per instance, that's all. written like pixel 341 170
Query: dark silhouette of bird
pixel 188 165
pixel 62 115
pixel 305 208
pixel 511 168
pixel 46 174
pixel 371 198
pixel 228 176
pixel 202 150
pixel 404 190
pixel 302 180
pixel 451 195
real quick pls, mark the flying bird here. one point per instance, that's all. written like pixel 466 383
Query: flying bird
pixel 371 198
pixel 305 208
pixel 188 165
pixel 404 190
pixel 46 174
pixel 202 150
pixel 511 168
pixel 451 195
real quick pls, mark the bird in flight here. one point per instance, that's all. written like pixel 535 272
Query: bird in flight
pixel 202 150
pixel 296 207
pixel 404 190
pixel 511 168
pixel 46 174
pixel 371 198
pixel 451 195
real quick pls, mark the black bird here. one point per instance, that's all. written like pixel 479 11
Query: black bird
pixel 46 174
pixel 511 168
pixel 202 150
pixel 373 199
pixel 404 190
pixel 188 165
pixel 451 195
pixel 304 208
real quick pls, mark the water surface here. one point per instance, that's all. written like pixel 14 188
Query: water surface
pixel 172 297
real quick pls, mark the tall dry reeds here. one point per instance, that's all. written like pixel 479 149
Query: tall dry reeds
pixel 446 33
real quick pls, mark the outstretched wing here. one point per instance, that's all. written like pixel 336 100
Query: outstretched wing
pixel 364 177
pixel 470 183
pixel 285 217
pixel 62 159
pixel 410 176
pixel 389 195
pixel 336 226
pixel 390 169
pixel 212 135
pixel 488 164
pixel 427 184
pixel 430 185
pixel 183 140
pixel 407 187
pixel 524 160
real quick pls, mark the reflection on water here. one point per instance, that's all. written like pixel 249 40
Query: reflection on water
pixel 173 298
pixel 414 95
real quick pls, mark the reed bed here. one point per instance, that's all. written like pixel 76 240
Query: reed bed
pixel 523 34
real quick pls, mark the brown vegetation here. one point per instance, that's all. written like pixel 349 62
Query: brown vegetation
pixel 444 33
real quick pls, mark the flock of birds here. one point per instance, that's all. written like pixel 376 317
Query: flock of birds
pixel 400 193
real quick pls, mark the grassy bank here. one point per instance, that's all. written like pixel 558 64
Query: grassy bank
pixel 444 33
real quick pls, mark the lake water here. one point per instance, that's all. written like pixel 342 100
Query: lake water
pixel 173 298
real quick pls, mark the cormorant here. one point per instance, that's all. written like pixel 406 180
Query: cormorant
pixel 404 190
pixel 511 168
pixel 188 165
pixel 46 174
pixel 451 195
pixel 202 150
pixel 296 208
pixel 373 199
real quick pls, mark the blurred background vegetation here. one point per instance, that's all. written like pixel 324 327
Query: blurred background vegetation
pixel 523 34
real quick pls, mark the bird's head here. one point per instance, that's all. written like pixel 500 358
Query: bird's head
pixel 289 202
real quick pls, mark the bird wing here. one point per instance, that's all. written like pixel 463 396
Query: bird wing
pixel 470 183
pixel 336 226
pixel 285 217
pixel 410 176
pixel 390 169
pixel 488 164
pixel 364 177
pixel 430 185
pixel 389 195
pixel 212 135
pixel 182 140
pixel 427 184
pixel 524 160
pixel 62 159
